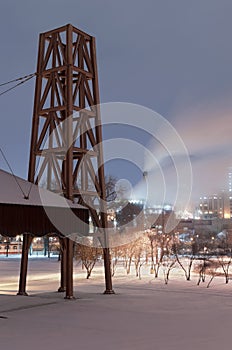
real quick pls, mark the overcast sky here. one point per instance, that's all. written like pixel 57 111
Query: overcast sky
pixel 173 56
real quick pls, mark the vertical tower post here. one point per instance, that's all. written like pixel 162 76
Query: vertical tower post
pixel 27 239
pixel 66 150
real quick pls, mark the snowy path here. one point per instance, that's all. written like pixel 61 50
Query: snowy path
pixel 143 315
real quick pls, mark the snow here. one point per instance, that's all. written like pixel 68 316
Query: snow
pixel 11 193
pixel 143 314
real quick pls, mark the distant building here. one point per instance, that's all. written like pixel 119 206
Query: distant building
pixel 214 206
pixel 9 245
pixel 230 190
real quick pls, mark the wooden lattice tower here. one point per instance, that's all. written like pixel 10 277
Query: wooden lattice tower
pixel 66 151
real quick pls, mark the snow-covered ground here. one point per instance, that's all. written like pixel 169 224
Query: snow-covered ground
pixel 143 314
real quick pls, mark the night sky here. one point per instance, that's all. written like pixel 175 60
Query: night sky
pixel 174 57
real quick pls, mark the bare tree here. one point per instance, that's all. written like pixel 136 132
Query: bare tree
pixel 128 254
pixel 116 254
pixel 206 267
pixel 185 256
pixel 204 263
pixel 151 238
pixel 168 264
pixel 160 246
pixel 140 254
pixel 225 263
pixel 88 256
pixel 161 242
pixel 201 267
pixel 212 271
pixel 110 182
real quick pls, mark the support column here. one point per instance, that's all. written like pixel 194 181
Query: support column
pixel 101 174
pixel 108 276
pixel 63 264
pixel 27 239
pixel 69 270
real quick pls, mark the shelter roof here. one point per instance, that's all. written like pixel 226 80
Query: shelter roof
pixel 10 193
pixel 41 213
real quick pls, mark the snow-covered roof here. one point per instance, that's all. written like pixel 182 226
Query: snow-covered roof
pixel 41 213
pixel 10 193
